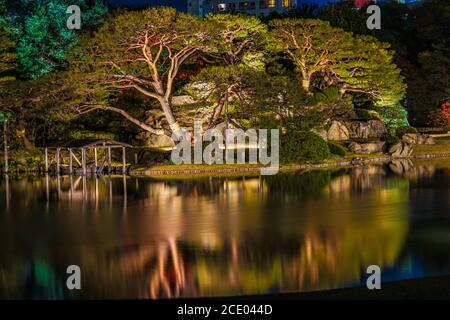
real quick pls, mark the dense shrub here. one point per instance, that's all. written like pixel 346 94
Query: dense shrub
pixel 364 114
pixel 440 117
pixel 401 131
pixel 303 146
pixel 87 134
pixel 337 149
pixel 391 139
pixel 447 128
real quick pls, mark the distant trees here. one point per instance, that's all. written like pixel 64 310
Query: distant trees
pixel 7 54
pixel 429 84
pixel 41 34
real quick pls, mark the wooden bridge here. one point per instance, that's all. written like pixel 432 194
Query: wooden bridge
pixel 77 166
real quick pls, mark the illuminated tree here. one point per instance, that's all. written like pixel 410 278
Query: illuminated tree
pixel 141 51
pixel 333 57
pixel 240 48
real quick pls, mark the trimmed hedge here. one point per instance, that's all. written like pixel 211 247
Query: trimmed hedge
pixel 300 146
pixel 337 149
pixel 364 114
pixel 401 131
pixel 447 128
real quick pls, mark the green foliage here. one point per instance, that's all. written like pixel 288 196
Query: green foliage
pixel 394 116
pixel 41 33
pixel 170 39
pixel 87 134
pixel 337 149
pixel 429 84
pixel 343 15
pixel 401 131
pixel 447 128
pixel 7 55
pixel 24 161
pixel 365 114
pixel 391 139
pixel 239 48
pixel 355 65
pixel 300 146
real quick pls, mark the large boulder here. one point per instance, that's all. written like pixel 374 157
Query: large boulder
pixel 366 129
pixel 418 138
pixel 372 129
pixel 156 141
pixel 401 150
pixel 338 132
pixel 366 148
pixel 401 166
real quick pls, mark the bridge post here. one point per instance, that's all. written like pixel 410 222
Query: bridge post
pixel 46 160
pixel 58 161
pixel 83 160
pixel 124 160
pixel 70 162
pixel 95 158
pixel 109 159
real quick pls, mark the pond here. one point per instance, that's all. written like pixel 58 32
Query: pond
pixel 223 236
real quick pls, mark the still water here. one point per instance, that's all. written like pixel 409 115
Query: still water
pixel 293 232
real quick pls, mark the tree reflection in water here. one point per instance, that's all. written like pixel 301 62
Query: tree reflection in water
pixel 208 237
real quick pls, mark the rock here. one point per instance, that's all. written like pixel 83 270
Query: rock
pixel 366 148
pixel 418 138
pixel 338 132
pixel 401 150
pixel 156 141
pixel 401 166
pixel 366 129
pixel 182 100
pixel 378 129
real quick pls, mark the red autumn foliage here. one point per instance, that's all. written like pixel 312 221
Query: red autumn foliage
pixel 441 116
pixel 445 111
pixel 361 3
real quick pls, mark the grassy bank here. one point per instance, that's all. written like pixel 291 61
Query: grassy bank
pixel 442 146
pixel 440 149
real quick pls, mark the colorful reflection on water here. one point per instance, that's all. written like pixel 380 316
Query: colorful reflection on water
pixel 205 237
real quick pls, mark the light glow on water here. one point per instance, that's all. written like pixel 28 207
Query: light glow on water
pixel 291 232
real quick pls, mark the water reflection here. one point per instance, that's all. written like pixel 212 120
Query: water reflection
pixel 144 238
